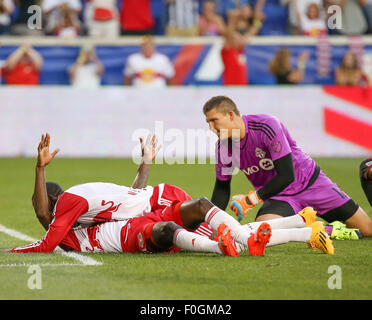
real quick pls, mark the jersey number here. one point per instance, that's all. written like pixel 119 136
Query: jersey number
pixel 106 215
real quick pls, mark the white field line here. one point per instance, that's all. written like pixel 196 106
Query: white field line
pixel 85 261
pixel 63 264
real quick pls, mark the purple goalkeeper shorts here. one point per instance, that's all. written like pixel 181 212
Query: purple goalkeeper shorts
pixel 324 196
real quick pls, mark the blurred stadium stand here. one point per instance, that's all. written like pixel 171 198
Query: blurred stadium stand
pixel 59 54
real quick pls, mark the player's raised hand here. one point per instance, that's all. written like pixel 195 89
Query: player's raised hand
pixel 149 148
pixel 44 157
pixel 242 203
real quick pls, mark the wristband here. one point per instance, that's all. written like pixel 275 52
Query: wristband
pixel 257 23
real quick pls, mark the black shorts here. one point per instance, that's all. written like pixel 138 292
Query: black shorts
pixel 283 209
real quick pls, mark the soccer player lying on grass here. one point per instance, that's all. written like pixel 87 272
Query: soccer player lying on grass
pixel 46 194
pixel 286 179
pixel 169 231
pixel 91 203
pixel 181 212
pixel 366 178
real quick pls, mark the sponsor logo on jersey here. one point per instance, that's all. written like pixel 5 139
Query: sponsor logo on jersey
pixel 260 153
pixel 264 164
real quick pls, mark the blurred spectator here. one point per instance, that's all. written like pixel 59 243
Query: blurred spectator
pixel 312 23
pixel 20 27
pixel 68 27
pixel 297 11
pixel 353 19
pixel 348 72
pixel 243 19
pixel 61 14
pixel 136 17
pixel 210 23
pixel 233 55
pixel 280 67
pixel 6 9
pixel 234 59
pixel 367 9
pixel 183 18
pixel 102 18
pixel 247 21
pixel 23 66
pixel 148 68
pixel 86 72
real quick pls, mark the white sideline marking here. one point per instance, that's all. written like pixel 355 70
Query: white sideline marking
pixel 63 264
pixel 86 261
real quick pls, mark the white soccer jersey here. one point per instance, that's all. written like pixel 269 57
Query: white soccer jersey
pixel 110 202
pixel 106 237
pixel 149 72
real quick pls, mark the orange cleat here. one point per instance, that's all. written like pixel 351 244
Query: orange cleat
pixel 225 241
pixel 257 241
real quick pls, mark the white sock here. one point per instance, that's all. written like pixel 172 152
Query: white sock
pixel 191 241
pixel 281 236
pixel 216 216
pixel 295 221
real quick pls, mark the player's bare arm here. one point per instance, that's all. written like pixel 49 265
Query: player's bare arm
pixel 40 198
pixel 149 151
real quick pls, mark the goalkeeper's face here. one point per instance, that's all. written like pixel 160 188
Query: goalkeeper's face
pixel 222 124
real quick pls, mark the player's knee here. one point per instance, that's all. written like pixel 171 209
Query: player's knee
pixel 204 206
pixel 163 232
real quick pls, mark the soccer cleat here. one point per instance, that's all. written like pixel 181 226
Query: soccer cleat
pixel 309 215
pixel 340 232
pixel 225 241
pixel 257 241
pixel 319 238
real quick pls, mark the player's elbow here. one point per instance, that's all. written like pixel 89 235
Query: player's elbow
pixel 286 179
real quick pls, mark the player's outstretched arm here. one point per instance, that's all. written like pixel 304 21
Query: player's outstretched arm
pixel 221 193
pixel 40 198
pixel 149 150
pixel 242 203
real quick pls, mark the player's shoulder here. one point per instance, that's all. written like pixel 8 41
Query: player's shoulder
pixel 264 124
pixel 262 120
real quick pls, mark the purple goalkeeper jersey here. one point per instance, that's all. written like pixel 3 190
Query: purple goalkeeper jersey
pixel 266 140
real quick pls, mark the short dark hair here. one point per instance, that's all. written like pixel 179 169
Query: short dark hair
pixel 53 189
pixel 221 103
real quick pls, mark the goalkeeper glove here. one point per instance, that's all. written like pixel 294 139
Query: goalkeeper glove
pixel 242 203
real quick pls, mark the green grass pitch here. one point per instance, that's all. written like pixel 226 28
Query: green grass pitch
pixel 290 271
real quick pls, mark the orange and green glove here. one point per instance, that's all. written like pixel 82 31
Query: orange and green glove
pixel 242 203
